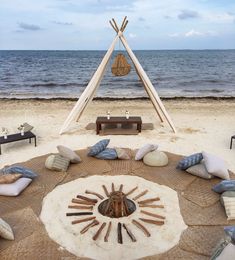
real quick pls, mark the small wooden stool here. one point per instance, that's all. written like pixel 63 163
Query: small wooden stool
pixel 231 142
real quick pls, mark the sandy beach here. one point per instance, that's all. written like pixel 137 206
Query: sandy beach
pixel 202 124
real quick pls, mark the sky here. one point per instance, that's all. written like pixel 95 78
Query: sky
pixel 84 25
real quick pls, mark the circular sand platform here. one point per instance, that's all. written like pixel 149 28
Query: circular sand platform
pixel 199 206
pixel 164 234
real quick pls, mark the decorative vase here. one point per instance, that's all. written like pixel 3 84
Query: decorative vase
pixel 5 136
pixel 127 115
pixel 22 132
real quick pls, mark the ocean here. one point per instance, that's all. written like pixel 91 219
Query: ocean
pixel 65 74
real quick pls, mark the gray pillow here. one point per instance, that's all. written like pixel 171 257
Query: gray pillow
pixel 199 170
pixel 216 166
pixel 189 161
pixel 27 127
pixel 69 154
pixel 107 154
pixel 98 147
pixel 57 162
pixel 144 150
pixel 226 185
pixel 227 194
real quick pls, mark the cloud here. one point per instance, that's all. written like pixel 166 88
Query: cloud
pixel 173 35
pixel 62 23
pixel 193 33
pixel 132 35
pixel 188 14
pixel 29 27
pixel 141 19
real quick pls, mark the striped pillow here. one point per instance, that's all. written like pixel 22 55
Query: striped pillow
pixel 107 154
pixel 98 147
pixel 57 162
pixel 189 161
pixel 229 204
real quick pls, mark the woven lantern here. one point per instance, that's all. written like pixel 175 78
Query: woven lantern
pixel 120 66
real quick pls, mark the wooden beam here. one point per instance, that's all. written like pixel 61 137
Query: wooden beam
pixel 123 22
pixel 124 27
pixel 113 27
pixel 115 24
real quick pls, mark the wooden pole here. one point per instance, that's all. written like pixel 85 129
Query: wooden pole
pixel 115 25
pixel 123 22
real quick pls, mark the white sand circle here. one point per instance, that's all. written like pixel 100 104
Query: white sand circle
pixel 60 229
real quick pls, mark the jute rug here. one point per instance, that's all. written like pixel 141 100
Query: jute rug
pixel 199 206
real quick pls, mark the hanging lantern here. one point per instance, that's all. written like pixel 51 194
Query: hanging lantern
pixel 120 66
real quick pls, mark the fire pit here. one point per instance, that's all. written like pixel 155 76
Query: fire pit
pixel 124 210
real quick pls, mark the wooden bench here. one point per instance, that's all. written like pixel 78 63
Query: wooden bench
pixel 118 120
pixel 18 137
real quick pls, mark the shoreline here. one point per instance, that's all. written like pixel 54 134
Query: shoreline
pixel 123 99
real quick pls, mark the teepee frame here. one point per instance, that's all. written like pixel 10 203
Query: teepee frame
pixel 88 94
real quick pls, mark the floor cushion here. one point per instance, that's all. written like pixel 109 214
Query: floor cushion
pixel 155 158
pixel 56 162
pixel 26 173
pixel 14 189
pixel 199 170
pixel 107 154
pixel 122 154
pixel 9 178
pixel 230 194
pixel 228 253
pixel 230 231
pixel 226 185
pixel 69 154
pixel 189 161
pixel 98 147
pixel 215 166
pixel 229 205
pixel 144 150
pixel 5 230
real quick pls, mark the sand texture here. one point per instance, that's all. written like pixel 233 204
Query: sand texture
pixel 201 125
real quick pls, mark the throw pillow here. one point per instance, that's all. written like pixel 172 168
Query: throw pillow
pixel 56 162
pixel 155 158
pixel 98 147
pixel 189 161
pixel 215 166
pixel 9 178
pixel 14 189
pixel 226 185
pixel 107 154
pixel 26 173
pixel 199 170
pixel 69 154
pixel 229 204
pixel 226 194
pixel 228 253
pixel 5 230
pixel 230 231
pixel 122 154
pixel 144 150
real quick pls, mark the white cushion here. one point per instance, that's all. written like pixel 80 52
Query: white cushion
pixel 122 154
pixel 5 230
pixel 215 166
pixel 228 253
pixel 200 171
pixel 69 154
pixel 14 189
pixel 155 158
pixel 229 204
pixel 144 150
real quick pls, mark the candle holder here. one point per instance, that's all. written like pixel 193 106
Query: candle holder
pixel 127 114
pixel 108 115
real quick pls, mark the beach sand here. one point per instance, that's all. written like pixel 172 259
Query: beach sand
pixel 202 125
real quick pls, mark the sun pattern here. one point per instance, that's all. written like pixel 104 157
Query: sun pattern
pixel 116 204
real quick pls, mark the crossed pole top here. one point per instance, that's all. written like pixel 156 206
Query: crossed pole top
pixel 115 27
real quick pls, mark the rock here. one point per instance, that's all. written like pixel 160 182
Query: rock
pixel 155 158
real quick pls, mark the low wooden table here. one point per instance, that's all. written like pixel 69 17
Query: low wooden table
pixel 118 120
pixel 18 137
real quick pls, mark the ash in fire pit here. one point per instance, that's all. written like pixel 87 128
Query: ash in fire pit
pixel 117 205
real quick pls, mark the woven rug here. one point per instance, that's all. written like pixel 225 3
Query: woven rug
pixel 199 206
